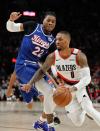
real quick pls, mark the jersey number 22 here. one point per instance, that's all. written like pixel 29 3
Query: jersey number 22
pixel 38 52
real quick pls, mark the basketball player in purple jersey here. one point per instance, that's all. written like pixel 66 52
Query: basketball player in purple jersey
pixel 36 43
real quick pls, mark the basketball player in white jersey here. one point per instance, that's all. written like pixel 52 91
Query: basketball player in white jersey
pixel 72 66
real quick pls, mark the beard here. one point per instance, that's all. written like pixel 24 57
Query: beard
pixel 59 49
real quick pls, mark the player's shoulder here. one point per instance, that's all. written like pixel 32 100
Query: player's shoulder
pixel 50 59
pixel 30 22
pixel 29 26
pixel 81 57
pixel 51 55
pixel 77 51
pixel 81 53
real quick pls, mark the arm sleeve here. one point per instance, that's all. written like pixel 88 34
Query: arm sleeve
pixel 85 78
pixel 52 48
pixel 12 26
pixel 29 26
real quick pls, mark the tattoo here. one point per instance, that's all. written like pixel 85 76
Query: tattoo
pixel 37 76
pixel 82 60
pixel 43 69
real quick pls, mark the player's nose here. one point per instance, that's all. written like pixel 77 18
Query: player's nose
pixel 57 43
pixel 50 23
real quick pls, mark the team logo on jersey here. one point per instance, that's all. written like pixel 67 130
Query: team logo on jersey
pixel 40 42
pixel 50 39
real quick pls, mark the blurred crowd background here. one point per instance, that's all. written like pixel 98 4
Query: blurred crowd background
pixel 80 17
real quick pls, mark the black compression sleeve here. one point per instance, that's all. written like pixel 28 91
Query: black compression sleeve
pixel 29 27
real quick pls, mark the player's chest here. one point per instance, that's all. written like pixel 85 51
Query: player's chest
pixel 41 41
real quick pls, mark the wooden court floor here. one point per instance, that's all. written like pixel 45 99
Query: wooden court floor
pixel 14 116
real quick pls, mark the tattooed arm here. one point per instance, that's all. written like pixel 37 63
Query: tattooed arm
pixel 40 72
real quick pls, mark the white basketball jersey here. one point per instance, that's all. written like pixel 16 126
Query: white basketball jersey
pixel 68 68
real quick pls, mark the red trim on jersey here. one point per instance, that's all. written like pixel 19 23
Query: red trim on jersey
pixel 72 50
pixel 77 57
pixel 71 81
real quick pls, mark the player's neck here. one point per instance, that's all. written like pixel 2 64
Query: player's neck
pixel 46 32
pixel 65 53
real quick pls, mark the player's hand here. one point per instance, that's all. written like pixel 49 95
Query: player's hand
pixel 14 16
pixel 73 89
pixel 26 87
pixel 60 82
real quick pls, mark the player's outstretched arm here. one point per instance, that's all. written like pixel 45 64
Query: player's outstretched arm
pixel 11 25
pixel 40 72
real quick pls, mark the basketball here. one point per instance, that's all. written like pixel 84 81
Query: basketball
pixel 62 96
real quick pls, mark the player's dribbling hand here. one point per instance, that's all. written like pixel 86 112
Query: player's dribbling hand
pixel 14 16
pixel 72 89
pixel 26 87
pixel 60 82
